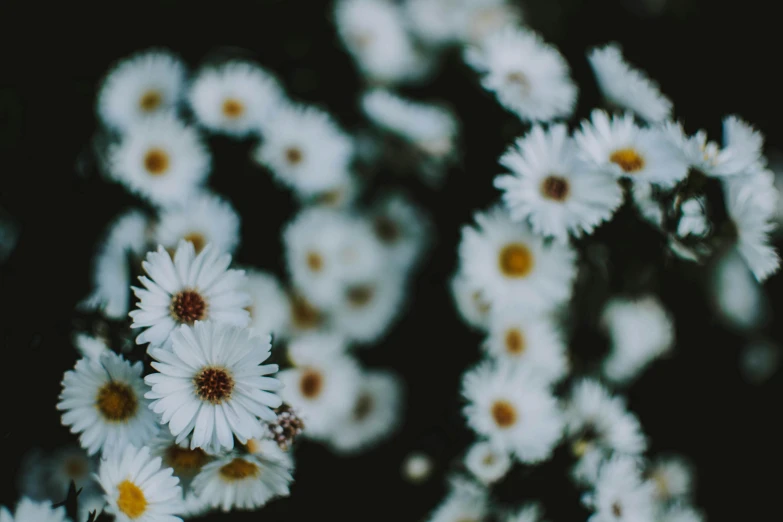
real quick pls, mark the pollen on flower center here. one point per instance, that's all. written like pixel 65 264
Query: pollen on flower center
pixel 185 461
pixel 233 108
pixel 311 383
pixel 294 155
pixel 239 469
pixel 117 401
pixel 304 315
pixel 150 100
pixel 515 341
pixel 363 407
pixel 131 499
pixel 504 414
pixel 555 188
pixel 314 261
pixel 198 240
pixel 359 296
pixel 386 229
pixel 156 161
pixel 214 384
pixel 516 260
pixel 188 307
pixel 628 159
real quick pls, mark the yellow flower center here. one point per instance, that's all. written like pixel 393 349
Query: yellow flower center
pixel 239 469
pixel 515 341
pixel 628 159
pixel 131 500
pixel 150 100
pixel 233 108
pixel 516 260
pixel 116 401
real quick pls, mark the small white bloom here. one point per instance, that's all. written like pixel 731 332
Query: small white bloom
pixel 31 511
pixel 202 219
pixel 694 219
pixel 673 478
pixel 620 493
pixel 478 19
pixel 486 462
pixel 529 77
pixel 465 501
pixel 269 308
pixel 528 513
pixel 366 309
pixel 472 307
pixel 402 228
pixel 434 22
pixel 70 463
pixel 417 467
pixel 737 296
pixel 306 318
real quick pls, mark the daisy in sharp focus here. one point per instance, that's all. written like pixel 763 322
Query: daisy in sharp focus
pixel 160 159
pixel 137 488
pixel 548 186
pixel 31 511
pixel 486 462
pixel 620 493
pixel 103 401
pixel 150 82
pixel 211 385
pixel 508 264
pixel 234 98
pixel 202 219
pixel 617 146
pixel 186 289
pixel 529 77
pixel 626 87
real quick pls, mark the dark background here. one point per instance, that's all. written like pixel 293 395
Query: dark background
pixel 709 58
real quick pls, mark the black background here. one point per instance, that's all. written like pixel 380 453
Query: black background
pixel 711 59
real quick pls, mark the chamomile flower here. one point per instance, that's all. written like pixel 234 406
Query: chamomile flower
pixel 673 478
pixel 316 346
pixel 367 308
pixel 529 77
pixel 553 190
pixel 30 511
pixel 305 149
pixel 471 305
pixel 620 493
pixel 417 467
pixel 618 147
pixel 305 317
pixel 160 159
pixel 146 83
pixel 186 289
pixel 486 462
pixel 641 330
pixel 465 501
pixel 510 406
pixel 509 264
pixel 103 401
pixel 269 309
pixel 243 481
pixel 204 218
pixel 402 229
pixel 374 415
pixel 137 488
pixel 211 385
pixel 234 98
pixel 626 87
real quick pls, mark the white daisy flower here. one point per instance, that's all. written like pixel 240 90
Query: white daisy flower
pixel 31 511
pixel 103 401
pixel 626 87
pixel 186 289
pixel 243 482
pixel 640 330
pixel 434 22
pixel 90 347
pixel 402 228
pixel 374 33
pixel 511 406
pixel 305 149
pixel 234 98
pixel 137 488
pixel 204 218
pixel 160 159
pixel 478 19
pixel 551 188
pixel 472 307
pixel 649 209
pixel 366 309
pixel 694 220
pixel 509 264
pixel 529 77
pixel 486 462
pixel 211 385
pixel 192 505
pixel 316 346
pixel 269 308
pixel 465 501
pixel 673 478
pixel 619 147
pixel 150 82
pixel 374 416
pixel 70 463
pixel 620 493
pixel 528 513
pixel 305 317
pixel 417 467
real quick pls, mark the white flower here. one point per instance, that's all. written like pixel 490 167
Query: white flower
pixel 640 330
pixel 620 493
pixel 160 159
pixel 680 513
pixel 479 19
pixel 366 309
pixel 103 401
pixel 434 22
pixel 186 289
pixel 472 307
pixel 486 462
pixel 551 188
pixel 694 219
pixel 627 87
pixel 202 219
pixel 146 83
pixel 184 461
pixel 70 463
pixel 466 501
pixel 673 478
pixel 31 511
pixel 528 76
pixel 402 228
pixel 509 264
pixel 305 317
pixel 211 384
pixel 510 406
pixel 137 488
pixel 528 513
pixel 417 467
pixel 305 149
pixel 650 209
pixel 89 501
pixel 618 147
pixel 90 347
pixel 234 98
pixel 269 308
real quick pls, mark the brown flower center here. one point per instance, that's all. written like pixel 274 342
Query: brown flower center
pixel 76 467
pixel 519 80
pixel 386 229
pixel 131 500
pixel 504 414
pixel 117 401
pixel 628 159
pixel 555 188
pixel 188 306
pixel 198 240
pixel 364 405
pixel 184 461
pixel 233 108
pixel 515 341
pixel 214 384
pixel 239 469
pixel 311 383
pixel 304 315
pixel 359 296
pixel 314 261
pixel 617 510
pixel 516 260
pixel 156 161
pixel 293 155
pixel 150 100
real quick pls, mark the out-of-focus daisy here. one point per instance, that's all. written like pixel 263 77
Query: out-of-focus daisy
pixel 486 462
pixel 89 501
pixel 434 22
pixel 618 147
pixel 529 77
pixel 316 347
pixel 374 416
pixel 694 220
pixel 528 513
pixel 160 159
pixel 510 406
pixel 465 501
pixel 471 305
pixel 305 149
pixel 641 330
pixel 70 463
pixel 103 401
pixel 551 188
pixel 211 385
pixel 650 209
pixel 626 87
pixel 673 478
pixel 479 19
pixel 736 294
pixel 186 289
pixel 234 98
pixel 417 467
pixel 509 264
pixel 137 488
pixel 184 461
pixel 204 218
pixel 30 511
pixel 306 318
pixel 402 229
pixel 146 83
pixel 366 309
pixel 269 309
pixel 620 493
